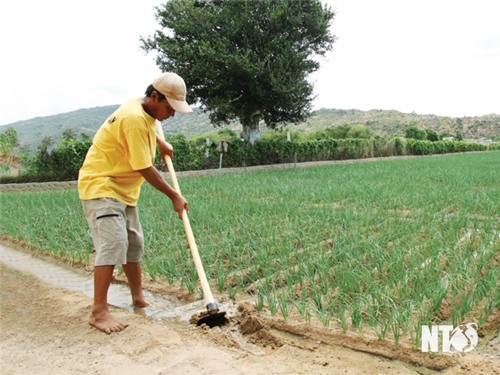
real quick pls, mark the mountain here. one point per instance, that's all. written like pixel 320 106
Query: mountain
pixel 384 122
pixel 391 122
pixel 31 132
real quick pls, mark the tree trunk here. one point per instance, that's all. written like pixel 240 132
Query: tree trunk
pixel 251 132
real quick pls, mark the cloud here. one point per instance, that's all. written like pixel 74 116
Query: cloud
pixel 429 57
pixel 426 56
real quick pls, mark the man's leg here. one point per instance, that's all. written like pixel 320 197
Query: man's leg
pixel 134 276
pixel 106 218
pixel 134 255
pixel 100 316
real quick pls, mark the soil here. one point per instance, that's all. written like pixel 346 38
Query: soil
pixel 44 330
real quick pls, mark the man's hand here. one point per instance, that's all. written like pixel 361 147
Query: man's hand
pixel 154 178
pixel 164 147
pixel 180 204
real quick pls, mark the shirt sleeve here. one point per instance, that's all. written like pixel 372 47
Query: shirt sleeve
pixel 139 155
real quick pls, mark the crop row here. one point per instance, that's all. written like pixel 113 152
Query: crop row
pixel 388 245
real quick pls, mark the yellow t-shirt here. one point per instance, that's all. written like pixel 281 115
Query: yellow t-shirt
pixel 124 144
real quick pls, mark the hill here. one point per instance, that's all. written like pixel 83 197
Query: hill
pixel 390 122
pixel 31 132
pixel 384 122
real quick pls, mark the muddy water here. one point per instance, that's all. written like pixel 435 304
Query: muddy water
pixel 165 306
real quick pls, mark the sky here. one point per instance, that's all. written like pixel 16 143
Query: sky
pixel 426 56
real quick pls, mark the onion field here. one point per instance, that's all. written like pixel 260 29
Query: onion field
pixel 385 246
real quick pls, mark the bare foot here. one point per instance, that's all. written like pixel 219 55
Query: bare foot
pixel 141 302
pixel 105 322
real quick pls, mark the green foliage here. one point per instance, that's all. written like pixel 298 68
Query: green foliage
pixel 382 147
pixel 281 135
pixel 214 138
pixel 383 122
pixel 62 162
pixel 244 59
pixel 432 135
pixel 8 142
pixel 32 132
pixel 413 132
pixel 4 169
pixel 416 147
pixel 353 149
pixel 377 246
pixel 446 135
pixel 187 156
pixel 69 134
pixel 400 146
pixel 360 131
pixel 334 132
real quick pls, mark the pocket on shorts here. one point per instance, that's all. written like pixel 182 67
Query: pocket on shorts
pixel 112 233
pixel 110 225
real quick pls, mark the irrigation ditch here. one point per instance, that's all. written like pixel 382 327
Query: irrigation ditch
pixel 254 332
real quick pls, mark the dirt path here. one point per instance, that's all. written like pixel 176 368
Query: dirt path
pixel 44 330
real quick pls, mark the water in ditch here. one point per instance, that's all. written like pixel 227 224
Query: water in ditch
pixel 165 306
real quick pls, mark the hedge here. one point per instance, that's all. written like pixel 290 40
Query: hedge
pixel 64 162
pixel 416 147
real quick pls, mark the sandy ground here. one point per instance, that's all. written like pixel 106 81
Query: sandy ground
pixel 44 330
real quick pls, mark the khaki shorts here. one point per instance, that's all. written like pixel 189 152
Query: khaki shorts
pixel 116 231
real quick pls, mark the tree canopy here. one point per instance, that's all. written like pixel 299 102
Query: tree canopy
pixel 245 60
pixel 8 142
pixel 414 132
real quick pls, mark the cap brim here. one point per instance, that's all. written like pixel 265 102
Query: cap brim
pixel 179 106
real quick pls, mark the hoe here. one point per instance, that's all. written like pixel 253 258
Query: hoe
pixel 213 317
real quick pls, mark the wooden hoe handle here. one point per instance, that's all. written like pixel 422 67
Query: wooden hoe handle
pixel 207 293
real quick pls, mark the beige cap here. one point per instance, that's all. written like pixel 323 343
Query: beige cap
pixel 173 87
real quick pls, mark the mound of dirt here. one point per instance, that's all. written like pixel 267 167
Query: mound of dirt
pixel 251 342
pixel 253 327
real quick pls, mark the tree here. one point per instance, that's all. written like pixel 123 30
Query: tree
pixel 338 132
pixel 61 162
pixel 446 135
pixel 246 60
pixel 413 132
pixel 8 142
pixel 432 135
pixel 360 131
pixel 68 134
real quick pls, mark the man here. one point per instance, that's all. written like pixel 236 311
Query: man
pixel 109 183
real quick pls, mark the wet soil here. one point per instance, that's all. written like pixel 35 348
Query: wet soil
pixel 44 330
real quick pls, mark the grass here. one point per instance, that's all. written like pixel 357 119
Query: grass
pixel 382 244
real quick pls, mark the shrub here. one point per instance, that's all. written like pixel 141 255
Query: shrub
pixel 187 156
pixel 64 162
pixel 416 147
pixel 494 147
pixel 400 146
pixel 413 132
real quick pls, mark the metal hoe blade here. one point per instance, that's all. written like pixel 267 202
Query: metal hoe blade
pixel 213 320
